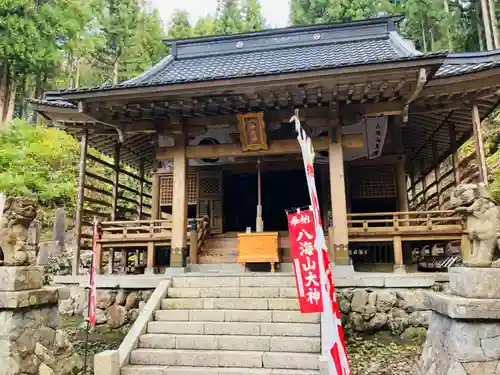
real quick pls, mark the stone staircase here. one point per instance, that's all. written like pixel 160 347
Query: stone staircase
pixel 239 325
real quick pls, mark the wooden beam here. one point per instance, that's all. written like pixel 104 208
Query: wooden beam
pixel 80 201
pixel 437 173
pixel 421 80
pixel 478 136
pixel 140 208
pixel 116 181
pixel 454 154
pixel 279 147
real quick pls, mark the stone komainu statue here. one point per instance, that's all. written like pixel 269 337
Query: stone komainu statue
pixel 18 214
pixel 483 222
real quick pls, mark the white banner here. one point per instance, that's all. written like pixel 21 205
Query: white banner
pixel 332 337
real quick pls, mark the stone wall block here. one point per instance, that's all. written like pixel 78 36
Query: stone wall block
pixel 121 297
pixel 20 278
pixel 105 298
pixel 359 300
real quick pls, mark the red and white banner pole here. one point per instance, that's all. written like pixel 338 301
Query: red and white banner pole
pixel 332 337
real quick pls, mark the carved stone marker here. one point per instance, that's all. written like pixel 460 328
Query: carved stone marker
pixel 59 230
pixel 30 343
pixel 464 331
pixel 18 214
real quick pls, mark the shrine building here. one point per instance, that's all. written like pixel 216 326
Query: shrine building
pixel 202 160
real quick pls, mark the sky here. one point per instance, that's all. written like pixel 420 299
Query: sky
pixel 275 11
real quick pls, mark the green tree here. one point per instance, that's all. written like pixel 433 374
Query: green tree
pixel 229 18
pixel 205 26
pixel 252 16
pixel 180 27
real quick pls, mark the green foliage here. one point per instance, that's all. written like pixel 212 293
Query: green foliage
pixel 180 26
pixel 38 162
pixel 253 20
pixel 229 18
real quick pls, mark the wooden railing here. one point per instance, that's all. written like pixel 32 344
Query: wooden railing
pixel 200 230
pixel 397 227
pixel 141 236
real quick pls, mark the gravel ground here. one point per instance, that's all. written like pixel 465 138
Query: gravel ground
pixel 377 354
pixel 383 354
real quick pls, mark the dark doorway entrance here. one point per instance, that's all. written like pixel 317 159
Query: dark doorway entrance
pixel 281 190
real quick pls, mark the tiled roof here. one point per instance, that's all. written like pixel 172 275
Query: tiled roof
pixel 457 64
pixel 52 103
pixel 275 52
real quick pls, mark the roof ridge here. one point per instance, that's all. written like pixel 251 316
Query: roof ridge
pixel 390 19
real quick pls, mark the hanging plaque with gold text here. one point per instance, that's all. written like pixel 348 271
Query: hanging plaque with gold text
pixel 252 131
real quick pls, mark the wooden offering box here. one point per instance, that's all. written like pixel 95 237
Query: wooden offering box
pixel 258 248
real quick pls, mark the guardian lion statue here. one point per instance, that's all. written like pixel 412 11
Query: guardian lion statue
pixel 474 201
pixel 18 214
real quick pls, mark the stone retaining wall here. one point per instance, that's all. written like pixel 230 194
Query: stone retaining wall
pixel 376 309
pixel 115 307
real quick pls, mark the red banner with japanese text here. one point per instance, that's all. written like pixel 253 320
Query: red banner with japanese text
pixel 305 260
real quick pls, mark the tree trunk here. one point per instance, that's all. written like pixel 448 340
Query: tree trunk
pixel 9 109
pixel 487 25
pixel 70 71
pixel 494 24
pixel 448 31
pixel 424 39
pixel 4 77
pixel 479 25
pixel 116 68
pixel 77 74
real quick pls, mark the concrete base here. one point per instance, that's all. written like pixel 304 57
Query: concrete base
pixel 457 307
pixel 174 271
pixel 456 347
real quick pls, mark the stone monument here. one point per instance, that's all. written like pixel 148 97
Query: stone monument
pixel 464 331
pixel 30 342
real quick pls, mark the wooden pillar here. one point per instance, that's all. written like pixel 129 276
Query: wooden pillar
pixel 398 254
pixel 454 155
pixel 437 174
pixel 401 186
pixel 259 225
pixel 140 208
pixel 179 203
pixel 155 197
pixel 116 181
pixel 339 248
pixel 79 202
pixel 481 160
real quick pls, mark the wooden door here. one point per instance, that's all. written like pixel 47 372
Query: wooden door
pixel 210 198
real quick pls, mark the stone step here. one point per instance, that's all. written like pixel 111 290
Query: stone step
pixel 217 259
pixel 249 280
pixel 173 370
pixel 269 316
pixel 222 358
pixel 230 303
pixel 235 328
pixel 234 343
pixel 270 292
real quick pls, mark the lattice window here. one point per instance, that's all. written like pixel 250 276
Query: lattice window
pixel 210 186
pixel 167 189
pixel 192 185
pixel 373 182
